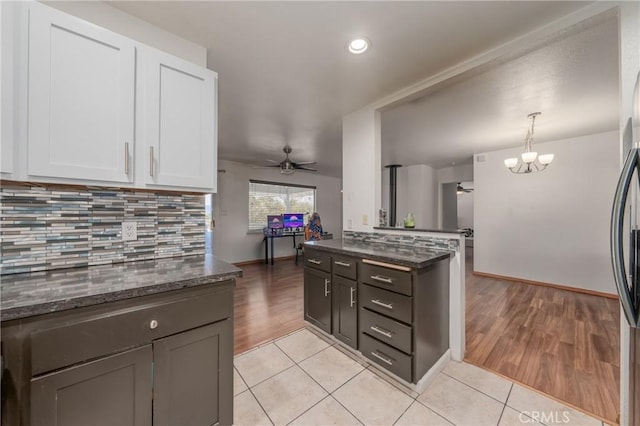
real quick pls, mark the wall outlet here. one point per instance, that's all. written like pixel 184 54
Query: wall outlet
pixel 349 223
pixel 365 219
pixel 129 231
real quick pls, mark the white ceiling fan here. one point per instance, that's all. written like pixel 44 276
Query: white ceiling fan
pixel 287 166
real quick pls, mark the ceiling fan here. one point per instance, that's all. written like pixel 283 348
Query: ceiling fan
pixel 461 190
pixel 287 166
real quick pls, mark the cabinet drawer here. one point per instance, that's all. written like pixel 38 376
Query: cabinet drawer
pixel 387 357
pixel 345 267
pixel 317 259
pixel 387 278
pixel 96 333
pixel 386 302
pixel 385 329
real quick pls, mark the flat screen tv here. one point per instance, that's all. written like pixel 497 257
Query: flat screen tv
pixel 274 221
pixel 293 220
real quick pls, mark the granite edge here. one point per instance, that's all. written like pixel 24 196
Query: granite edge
pixel 25 311
pixel 440 231
pixel 444 254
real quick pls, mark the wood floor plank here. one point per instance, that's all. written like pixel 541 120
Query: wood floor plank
pixel 559 342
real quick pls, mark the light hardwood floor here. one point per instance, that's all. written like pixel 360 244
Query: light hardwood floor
pixel 562 343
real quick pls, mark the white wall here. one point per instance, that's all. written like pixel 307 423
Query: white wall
pixel 231 242
pixel 416 194
pixel 120 22
pixel 361 169
pixel 551 226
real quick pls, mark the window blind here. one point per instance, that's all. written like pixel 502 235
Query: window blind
pixel 267 198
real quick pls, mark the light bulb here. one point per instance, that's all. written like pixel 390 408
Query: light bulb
pixel 529 157
pixel 545 159
pixel 510 162
pixel 359 45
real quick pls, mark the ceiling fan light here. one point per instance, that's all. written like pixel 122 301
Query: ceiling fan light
pixel 529 157
pixel 510 162
pixel 545 159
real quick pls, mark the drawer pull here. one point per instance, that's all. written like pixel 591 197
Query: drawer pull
pixel 326 287
pixel 353 299
pixel 314 261
pixel 153 324
pixel 379 303
pixel 381 331
pixel 382 358
pixel 345 264
pixel 382 279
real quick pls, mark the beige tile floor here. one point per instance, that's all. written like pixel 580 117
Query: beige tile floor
pixel 306 379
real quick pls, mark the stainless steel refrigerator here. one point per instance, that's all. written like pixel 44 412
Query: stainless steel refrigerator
pixel 625 252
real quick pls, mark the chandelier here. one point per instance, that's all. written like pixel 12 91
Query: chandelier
pixel 529 160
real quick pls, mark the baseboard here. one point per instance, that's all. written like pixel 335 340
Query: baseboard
pixel 543 284
pixel 256 261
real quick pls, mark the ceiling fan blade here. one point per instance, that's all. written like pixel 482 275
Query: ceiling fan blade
pixel 309 169
pixel 272 161
pixel 266 167
pixel 305 163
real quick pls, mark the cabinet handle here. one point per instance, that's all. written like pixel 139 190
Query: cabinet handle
pixel 314 261
pixel 151 161
pixel 382 358
pixel 353 299
pixel 345 264
pixel 326 287
pixel 382 279
pixel 126 158
pixel 153 324
pixel 381 331
pixel 379 303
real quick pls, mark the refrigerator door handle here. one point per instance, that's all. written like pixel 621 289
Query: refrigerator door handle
pixel 617 218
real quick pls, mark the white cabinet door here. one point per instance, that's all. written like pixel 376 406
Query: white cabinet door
pixel 179 122
pixel 81 99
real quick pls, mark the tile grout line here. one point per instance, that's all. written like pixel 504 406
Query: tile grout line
pixel 433 410
pixel 241 378
pixel 261 407
pixel 478 390
pixel 504 407
pixel 329 394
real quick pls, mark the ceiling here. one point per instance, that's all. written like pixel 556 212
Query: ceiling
pixel 285 75
pixel 572 80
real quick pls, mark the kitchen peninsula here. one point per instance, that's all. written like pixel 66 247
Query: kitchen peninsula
pixel 97 342
pixel 389 302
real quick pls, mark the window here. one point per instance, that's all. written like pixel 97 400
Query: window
pixel 267 198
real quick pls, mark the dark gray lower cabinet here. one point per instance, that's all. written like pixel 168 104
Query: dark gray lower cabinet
pixel 111 391
pixel 317 298
pixel 345 311
pixel 190 377
pixel 163 359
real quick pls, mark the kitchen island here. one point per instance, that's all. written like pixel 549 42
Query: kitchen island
pixel 147 342
pixel 389 303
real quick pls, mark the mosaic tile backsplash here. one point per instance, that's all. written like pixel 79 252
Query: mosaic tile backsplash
pixel 50 228
pixel 403 240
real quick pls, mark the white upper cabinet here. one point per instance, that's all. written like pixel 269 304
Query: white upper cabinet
pixel 81 99
pixel 179 128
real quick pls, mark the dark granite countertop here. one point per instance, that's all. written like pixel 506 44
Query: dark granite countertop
pixel 446 231
pixel 29 294
pixel 414 257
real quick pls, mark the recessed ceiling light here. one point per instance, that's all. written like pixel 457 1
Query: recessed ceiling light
pixel 359 45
